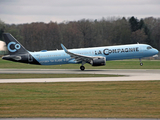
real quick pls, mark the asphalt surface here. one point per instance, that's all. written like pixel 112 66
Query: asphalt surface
pixel 130 75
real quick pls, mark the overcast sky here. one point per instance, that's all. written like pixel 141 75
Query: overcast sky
pixel 27 11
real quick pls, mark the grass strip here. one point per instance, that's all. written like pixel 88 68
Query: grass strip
pixel 140 99
pixel 19 75
pixel 123 64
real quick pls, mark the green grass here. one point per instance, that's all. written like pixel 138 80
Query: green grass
pixel 17 76
pixel 124 64
pixel 81 99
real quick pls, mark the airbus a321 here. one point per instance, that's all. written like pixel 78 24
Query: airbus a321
pixel 95 56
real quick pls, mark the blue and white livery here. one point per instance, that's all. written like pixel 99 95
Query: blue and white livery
pixel 95 56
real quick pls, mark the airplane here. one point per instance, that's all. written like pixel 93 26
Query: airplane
pixel 95 56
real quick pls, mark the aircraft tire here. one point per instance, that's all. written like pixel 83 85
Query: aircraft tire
pixel 141 64
pixel 82 68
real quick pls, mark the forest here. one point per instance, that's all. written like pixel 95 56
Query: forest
pixel 38 36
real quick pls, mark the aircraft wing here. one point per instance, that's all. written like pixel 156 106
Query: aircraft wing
pixel 78 57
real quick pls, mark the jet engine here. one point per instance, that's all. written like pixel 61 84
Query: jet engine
pixel 99 61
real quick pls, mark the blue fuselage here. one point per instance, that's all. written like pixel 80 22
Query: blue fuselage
pixel 109 52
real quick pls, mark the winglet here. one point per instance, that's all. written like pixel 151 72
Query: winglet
pixel 64 48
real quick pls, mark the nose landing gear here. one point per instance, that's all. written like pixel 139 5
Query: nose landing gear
pixel 141 64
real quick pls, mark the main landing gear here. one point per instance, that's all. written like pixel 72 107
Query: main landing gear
pixel 82 68
pixel 141 64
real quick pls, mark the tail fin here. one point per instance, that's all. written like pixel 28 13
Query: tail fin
pixel 14 47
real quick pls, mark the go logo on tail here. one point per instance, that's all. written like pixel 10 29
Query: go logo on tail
pixel 16 46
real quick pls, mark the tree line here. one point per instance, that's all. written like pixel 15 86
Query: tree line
pixel 85 33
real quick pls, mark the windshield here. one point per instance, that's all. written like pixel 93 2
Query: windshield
pixel 149 47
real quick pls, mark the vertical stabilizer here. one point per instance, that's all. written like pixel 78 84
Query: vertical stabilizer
pixel 13 46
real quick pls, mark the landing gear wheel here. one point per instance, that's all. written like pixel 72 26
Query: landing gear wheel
pixel 141 64
pixel 82 68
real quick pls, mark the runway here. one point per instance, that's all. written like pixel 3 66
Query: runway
pixel 129 75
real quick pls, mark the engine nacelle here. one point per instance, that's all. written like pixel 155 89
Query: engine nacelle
pixel 99 61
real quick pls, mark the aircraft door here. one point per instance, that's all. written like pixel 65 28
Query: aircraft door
pixel 30 58
pixel 140 49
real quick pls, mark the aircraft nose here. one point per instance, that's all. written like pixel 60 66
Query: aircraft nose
pixel 156 51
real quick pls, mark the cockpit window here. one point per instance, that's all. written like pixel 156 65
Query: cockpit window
pixel 149 47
